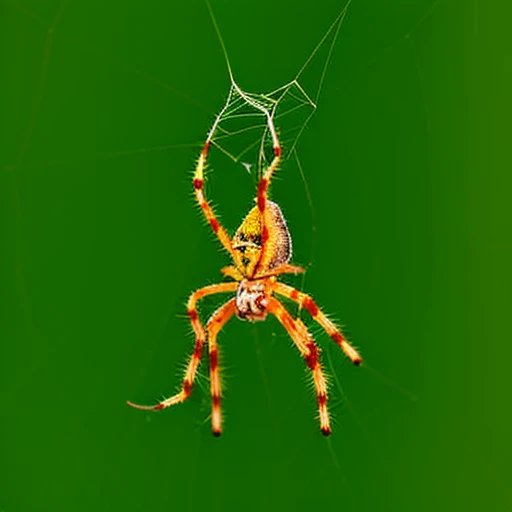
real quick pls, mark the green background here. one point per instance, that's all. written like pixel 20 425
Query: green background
pixel 407 234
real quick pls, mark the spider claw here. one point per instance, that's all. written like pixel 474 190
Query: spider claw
pixel 156 407
pixel 326 431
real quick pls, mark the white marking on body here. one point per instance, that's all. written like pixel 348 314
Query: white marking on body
pixel 251 300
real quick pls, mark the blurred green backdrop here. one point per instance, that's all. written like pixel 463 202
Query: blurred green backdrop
pixel 407 234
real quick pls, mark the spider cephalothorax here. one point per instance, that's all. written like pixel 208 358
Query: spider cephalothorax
pixel 251 299
pixel 261 250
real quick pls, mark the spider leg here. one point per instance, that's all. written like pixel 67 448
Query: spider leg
pixel 232 272
pixel 284 268
pixel 214 325
pixel 306 301
pixel 262 196
pixel 203 203
pixel 308 349
pixel 190 372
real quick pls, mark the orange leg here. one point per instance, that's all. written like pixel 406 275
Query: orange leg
pixel 307 302
pixel 214 325
pixel 232 272
pixel 307 347
pixel 203 203
pixel 284 268
pixel 262 196
pixel 190 373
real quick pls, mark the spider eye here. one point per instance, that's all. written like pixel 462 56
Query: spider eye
pixel 242 248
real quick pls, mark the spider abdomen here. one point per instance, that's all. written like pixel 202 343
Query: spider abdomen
pixel 247 241
pixel 251 300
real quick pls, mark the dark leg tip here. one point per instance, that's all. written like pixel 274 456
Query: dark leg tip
pixel 216 433
pixel 326 431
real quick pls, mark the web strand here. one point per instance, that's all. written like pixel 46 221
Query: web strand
pixel 290 102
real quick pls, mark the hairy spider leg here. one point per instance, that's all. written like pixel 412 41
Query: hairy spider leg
pixel 190 372
pixel 214 325
pixel 262 197
pixel 307 302
pixel 233 272
pixel 308 349
pixel 285 268
pixel 198 182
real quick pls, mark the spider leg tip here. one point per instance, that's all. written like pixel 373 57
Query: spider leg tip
pixel 326 431
pixel 157 407
pixel 216 433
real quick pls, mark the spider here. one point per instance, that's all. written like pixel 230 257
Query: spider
pixel 261 249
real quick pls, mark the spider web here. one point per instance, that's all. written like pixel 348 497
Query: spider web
pixel 249 124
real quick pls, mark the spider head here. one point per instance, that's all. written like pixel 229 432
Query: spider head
pixel 247 242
